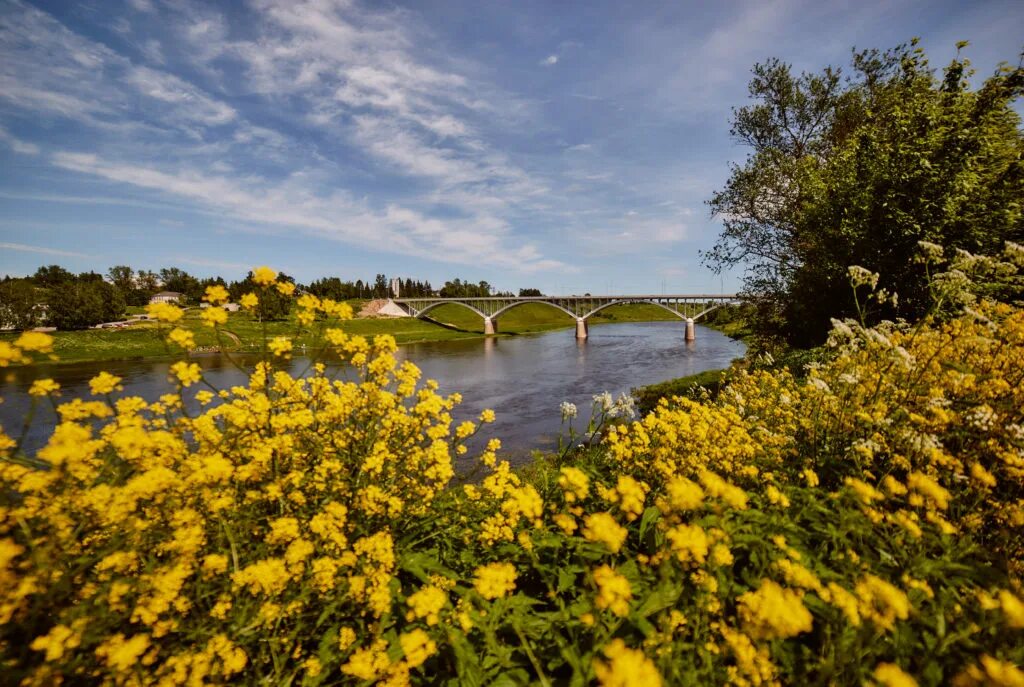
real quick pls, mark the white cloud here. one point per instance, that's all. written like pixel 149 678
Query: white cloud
pixel 476 240
pixel 17 145
pixel 549 61
pixel 41 249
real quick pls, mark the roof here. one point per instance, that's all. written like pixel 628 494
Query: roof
pixel 168 293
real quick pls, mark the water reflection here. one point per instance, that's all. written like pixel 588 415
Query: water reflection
pixel 523 378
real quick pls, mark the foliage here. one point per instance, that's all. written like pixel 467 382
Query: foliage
pixel 856 172
pixel 19 304
pixel 691 386
pixel 83 303
pixel 530 293
pixel 859 526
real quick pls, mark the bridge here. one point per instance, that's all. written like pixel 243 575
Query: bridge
pixel 687 307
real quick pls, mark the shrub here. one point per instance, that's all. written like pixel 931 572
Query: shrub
pixel 859 525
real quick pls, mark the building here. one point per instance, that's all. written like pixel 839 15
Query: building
pixel 166 297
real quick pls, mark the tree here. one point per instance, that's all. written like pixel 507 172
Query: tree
pixel 81 304
pixel 148 282
pixel 19 304
pixel 179 280
pixel 273 304
pixel 52 275
pixel 857 172
pixel 528 293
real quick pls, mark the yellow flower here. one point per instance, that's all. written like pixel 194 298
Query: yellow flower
pixel 122 655
pixel 165 312
pixel 682 494
pixel 264 276
pixel 575 483
pixel 880 602
pixel 487 416
pixel 249 301
pixel 773 612
pixel 626 667
pixel 495 580
pixel 280 346
pixel 1013 609
pixel 690 542
pixel 427 604
pixel 286 288
pixel 417 646
pixel 216 294
pixel 44 387
pixel 891 675
pixel 182 337
pixel 602 527
pixel 214 315
pixel 39 342
pixel 104 383
pixel 614 591
pixel 186 373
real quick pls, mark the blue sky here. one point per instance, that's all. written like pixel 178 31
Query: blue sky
pixel 568 146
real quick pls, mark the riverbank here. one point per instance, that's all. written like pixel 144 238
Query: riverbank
pixel 143 341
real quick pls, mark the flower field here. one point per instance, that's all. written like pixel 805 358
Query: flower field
pixel 860 525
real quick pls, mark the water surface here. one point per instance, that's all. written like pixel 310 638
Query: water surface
pixel 523 378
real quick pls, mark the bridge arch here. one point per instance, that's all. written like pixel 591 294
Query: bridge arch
pixel 508 307
pixel 430 307
pixel 628 301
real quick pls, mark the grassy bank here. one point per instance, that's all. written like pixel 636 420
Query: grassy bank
pixel 244 333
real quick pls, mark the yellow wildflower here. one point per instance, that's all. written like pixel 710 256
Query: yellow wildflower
pixel 216 294
pixel 214 315
pixel 182 337
pixel 602 527
pixel 773 612
pixel 105 383
pixel 187 374
pixel 286 288
pixel 40 342
pixel 264 276
pixel 891 675
pixel 427 604
pixel 614 591
pixel 417 646
pixel 43 387
pixel 165 312
pixel 495 580
pixel 625 667
pixel 280 346
pixel 249 301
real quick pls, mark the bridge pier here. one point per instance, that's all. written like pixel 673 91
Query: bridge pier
pixel 581 328
pixel 691 331
pixel 490 327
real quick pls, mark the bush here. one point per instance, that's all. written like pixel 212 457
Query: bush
pixel 860 525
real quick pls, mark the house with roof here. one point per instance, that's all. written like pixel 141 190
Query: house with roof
pixel 166 297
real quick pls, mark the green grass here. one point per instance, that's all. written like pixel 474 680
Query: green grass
pixel 143 340
pixel 647 397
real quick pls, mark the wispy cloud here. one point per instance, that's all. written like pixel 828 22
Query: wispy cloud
pixel 44 250
pixel 549 61
pixel 18 145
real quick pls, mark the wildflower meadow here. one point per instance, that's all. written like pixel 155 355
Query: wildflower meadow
pixel 860 522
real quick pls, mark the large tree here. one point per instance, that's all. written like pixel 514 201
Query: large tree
pixel 857 171
pixel 20 304
pixel 84 303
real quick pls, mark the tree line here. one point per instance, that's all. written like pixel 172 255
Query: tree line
pixel 858 169
pixel 56 297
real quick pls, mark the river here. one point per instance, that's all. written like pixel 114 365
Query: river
pixel 523 378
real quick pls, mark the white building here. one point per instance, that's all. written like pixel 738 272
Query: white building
pixel 166 297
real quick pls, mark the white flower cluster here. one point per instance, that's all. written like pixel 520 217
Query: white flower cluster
pixel 860 276
pixel 568 410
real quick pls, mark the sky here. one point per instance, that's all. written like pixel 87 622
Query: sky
pixel 566 146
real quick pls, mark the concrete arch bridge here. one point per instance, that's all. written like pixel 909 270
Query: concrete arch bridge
pixel 687 307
